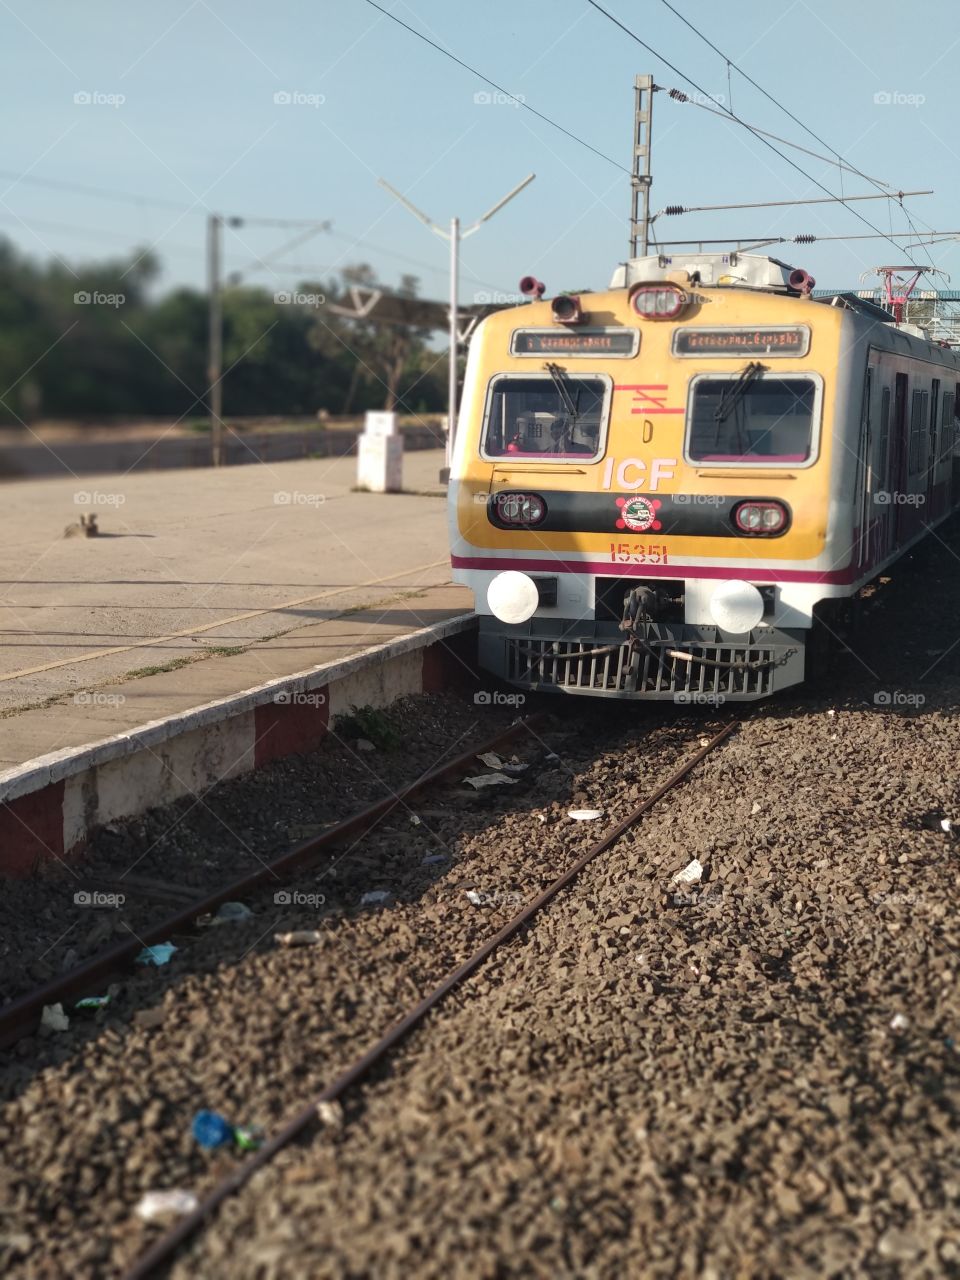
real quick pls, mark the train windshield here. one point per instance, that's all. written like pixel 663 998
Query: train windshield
pixel 548 416
pixel 751 418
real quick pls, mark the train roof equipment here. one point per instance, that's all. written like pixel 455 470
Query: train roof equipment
pixel 715 270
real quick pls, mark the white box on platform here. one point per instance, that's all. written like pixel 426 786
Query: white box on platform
pixel 380 423
pixel 380 463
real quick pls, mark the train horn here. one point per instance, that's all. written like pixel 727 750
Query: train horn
pixel 801 280
pixel 566 309
pixel 531 287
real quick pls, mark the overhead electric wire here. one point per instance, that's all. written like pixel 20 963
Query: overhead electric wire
pixel 313 227
pixel 699 88
pixel 674 209
pixel 131 197
pixel 770 98
pixel 493 84
pixel 679 96
pixel 812 239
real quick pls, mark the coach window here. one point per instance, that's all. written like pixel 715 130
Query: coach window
pixel 754 418
pixel 553 416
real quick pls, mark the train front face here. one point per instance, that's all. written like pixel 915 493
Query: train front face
pixel 641 500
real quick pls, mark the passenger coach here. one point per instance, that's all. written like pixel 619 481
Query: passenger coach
pixel 653 488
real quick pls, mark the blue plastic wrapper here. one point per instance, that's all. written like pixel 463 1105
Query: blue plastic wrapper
pixel 211 1129
pixel 158 954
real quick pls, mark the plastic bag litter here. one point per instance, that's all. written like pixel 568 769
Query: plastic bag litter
pixel 899 1022
pixel 691 874
pixel 490 780
pixel 90 1004
pixel 232 913
pixel 298 938
pixel 248 1137
pixel 211 1129
pixel 585 815
pixel 493 761
pixel 476 899
pixel 157 1204
pixel 377 898
pixel 158 954
pixel 54 1017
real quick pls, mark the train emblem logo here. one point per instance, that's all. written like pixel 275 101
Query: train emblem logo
pixel 638 514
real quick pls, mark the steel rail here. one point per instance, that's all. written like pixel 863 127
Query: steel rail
pixel 21 1015
pixel 164 1248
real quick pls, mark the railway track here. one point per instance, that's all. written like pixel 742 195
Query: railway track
pixel 22 1015
pixel 590 1084
pixel 313 1112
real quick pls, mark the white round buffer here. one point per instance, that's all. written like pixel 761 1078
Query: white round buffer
pixel 736 606
pixel 513 596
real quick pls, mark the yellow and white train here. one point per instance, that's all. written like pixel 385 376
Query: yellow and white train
pixel 653 487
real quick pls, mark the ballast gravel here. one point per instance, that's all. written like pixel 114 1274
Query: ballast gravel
pixel 754 1073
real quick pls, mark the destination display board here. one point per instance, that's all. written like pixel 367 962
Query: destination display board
pixel 780 341
pixel 575 342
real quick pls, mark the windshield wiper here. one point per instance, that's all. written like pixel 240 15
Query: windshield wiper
pixel 732 397
pixel 556 373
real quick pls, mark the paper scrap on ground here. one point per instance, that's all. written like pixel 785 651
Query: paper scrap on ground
pixel 691 874
pixel 54 1017
pixel 157 1204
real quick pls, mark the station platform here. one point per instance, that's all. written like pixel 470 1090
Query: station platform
pixel 201 585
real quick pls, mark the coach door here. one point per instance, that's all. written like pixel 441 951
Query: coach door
pixel 899 453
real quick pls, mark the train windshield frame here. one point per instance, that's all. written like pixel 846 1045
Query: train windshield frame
pixel 766 420
pixel 547 417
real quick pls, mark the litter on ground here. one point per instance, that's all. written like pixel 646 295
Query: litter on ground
pixel 691 874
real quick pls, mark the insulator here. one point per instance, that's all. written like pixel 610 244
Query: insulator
pixel 808 239
pixel 673 209
pixel 678 95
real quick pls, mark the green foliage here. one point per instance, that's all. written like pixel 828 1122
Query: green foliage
pixel 146 356
pixel 369 723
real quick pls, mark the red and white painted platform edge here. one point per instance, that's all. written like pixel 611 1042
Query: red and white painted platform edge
pixel 50 806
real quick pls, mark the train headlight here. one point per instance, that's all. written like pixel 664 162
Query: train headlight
pixel 736 606
pixel 513 597
pixel 760 517
pixel 658 301
pixel 519 509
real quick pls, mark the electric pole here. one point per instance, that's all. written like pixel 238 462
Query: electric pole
pixel 215 224
pixel 454 236
pixel 640 166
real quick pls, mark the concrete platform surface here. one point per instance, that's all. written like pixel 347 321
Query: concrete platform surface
pixel 203 584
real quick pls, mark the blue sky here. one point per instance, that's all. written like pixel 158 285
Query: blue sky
pixel 198 125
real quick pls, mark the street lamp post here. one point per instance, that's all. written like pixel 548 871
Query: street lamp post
pixel 454 236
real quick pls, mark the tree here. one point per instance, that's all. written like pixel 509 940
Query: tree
pixel 385 357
